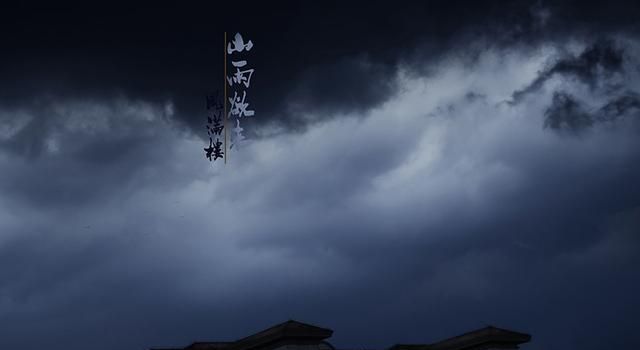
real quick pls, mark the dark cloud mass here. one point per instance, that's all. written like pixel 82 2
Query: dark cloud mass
pixel 603 58
pixel 621 106
pixel 416 170
pixel 566 112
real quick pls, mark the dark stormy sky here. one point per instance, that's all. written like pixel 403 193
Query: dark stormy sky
pixel 415 171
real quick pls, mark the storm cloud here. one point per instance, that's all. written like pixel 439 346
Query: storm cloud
pixel 395 194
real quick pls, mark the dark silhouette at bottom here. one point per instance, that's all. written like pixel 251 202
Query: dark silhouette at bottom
pixel 294 335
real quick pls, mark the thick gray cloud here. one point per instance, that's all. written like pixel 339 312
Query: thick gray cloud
pixel 413 208
pixel 159 52
pixel 460 211
pixel 603 58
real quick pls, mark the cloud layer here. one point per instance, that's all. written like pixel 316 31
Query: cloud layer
pixel 414 172
pixel 456 201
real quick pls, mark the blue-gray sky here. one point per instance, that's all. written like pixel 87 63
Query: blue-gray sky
pixel 415 171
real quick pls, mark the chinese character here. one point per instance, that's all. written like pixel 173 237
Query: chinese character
pixel 238 138
pixel 239 76
pixel 214 149
pixel 217 125
pixel 238 106
pixel 238 44
pixel 214 102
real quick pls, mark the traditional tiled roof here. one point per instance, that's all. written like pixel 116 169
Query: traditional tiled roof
pixel 294 332
pixel 208 345
pixel 485 338
pixel 287 331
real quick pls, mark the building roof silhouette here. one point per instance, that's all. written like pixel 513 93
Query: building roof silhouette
pixel 485 338
pixel 304 336
pixel 289 330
